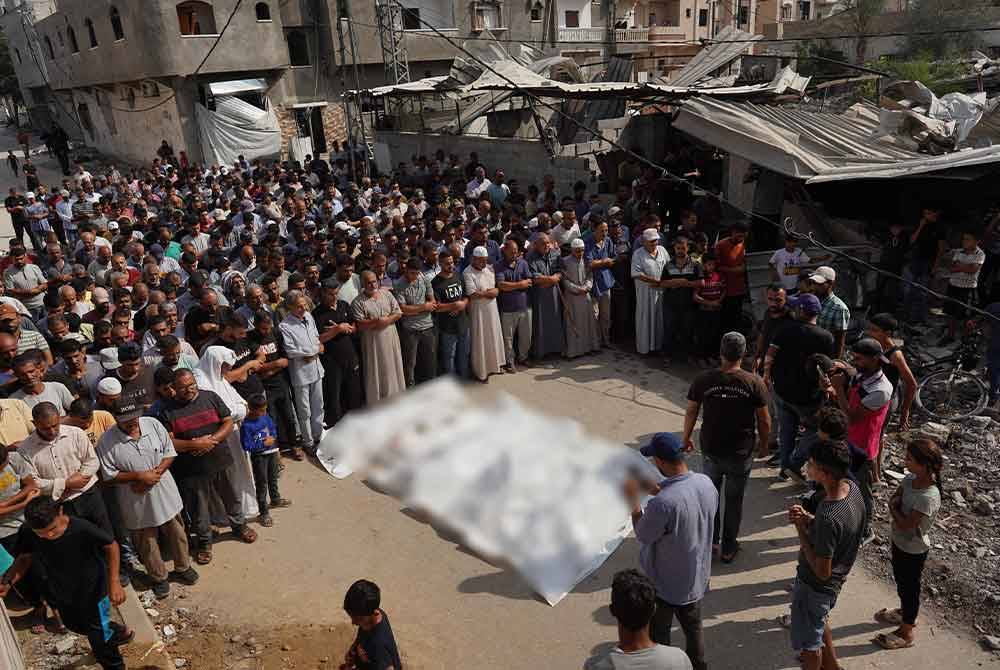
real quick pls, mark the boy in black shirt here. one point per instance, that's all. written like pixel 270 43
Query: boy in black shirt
pixel 81 567
pixel 375 647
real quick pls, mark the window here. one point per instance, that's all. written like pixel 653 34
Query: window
pixel 73 45
pixel 786 13
pixel 263 11
pixel 116 24
pixel 572 19
pixel 196 18
pixel 687 13
pixel 91 33
pixel 48 48
pixel 486 16
pixel 702 18
pixel 298 48
pixel 805 10
pixel 744 15
pixel 536 12
pixel 411 18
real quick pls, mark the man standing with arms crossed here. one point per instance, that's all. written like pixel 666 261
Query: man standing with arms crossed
pixel 735 405
pixel 675 537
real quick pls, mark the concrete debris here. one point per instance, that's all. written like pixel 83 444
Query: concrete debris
pixel 180 663
pixel 152 612
pixel 147 598
pixel 958 498
pixel 169 632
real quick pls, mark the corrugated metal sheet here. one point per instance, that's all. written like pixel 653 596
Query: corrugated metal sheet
pixel 816 146
pixel 729 45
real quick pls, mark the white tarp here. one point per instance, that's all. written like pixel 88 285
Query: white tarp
pixel 10 650
pixel 237 86
pixel 237 128
pixel 912 110
pixel 530 490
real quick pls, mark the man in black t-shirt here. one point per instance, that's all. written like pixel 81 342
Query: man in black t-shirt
pixel 342 371
pixel 928 243
pixel 451 318
pixel 15 205
pixel 205 320
pixel 266 339
pixel 243 374
pixel 795 392
pixel 199 423
pixel 681 275
pixel 81 563
pixel 374 648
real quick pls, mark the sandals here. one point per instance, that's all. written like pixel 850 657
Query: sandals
pixel 203 556
pixel 889 617
pixel 891 641
pixel 730 557
pixel 246 534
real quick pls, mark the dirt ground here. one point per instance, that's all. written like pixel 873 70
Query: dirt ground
pixel 451 609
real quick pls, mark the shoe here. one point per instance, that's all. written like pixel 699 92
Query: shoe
pixel 187 577
pixel 509 369
pixel 796 476
pixel 868 537
pixel 775 459
pixel 783 475
pixel 297 454
pixel 125 578
pixel 281 502
pixel 161 589
pixel 265 520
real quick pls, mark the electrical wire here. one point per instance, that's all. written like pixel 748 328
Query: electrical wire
pixel 785 227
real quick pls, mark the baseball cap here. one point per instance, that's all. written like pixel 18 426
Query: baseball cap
pixel 109 359
pixel 807 302
pixel 157 251
pixel 650 234
pixel 127 410
pixel 577 243
pixel 868 346
pixel 614 211
pixel 109 385
pixel 823 274
pixel 29 195
pixel 480 252
pixel 664 445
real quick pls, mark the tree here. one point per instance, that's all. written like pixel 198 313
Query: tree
pixel 861 13
pixel 943 28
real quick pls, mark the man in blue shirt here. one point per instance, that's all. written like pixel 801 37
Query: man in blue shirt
pixel 675 538
pixel 514 281
pixel 600 256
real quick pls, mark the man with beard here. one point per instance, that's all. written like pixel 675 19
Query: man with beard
pixel 266 339
pixel 775 318
pixel 82 371
pixel 205 320
pixel 342 378
pixel 136 379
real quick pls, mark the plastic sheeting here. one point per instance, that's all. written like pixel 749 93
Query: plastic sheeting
pixel 935 125
pixel 237 128
pixel 10 650
pixel 531 491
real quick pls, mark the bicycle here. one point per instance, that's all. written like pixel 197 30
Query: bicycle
pixel 949 388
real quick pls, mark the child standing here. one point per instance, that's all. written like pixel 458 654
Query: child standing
pixel 963 279
pixel 708 297
pixel 375 646
pixel 81 566
pixel 259 436
pixel 913 507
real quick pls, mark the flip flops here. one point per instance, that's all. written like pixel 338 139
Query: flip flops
pixel 891 641
pixel 889 617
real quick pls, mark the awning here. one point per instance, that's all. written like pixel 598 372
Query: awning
pixel 237 86
pixel 818 146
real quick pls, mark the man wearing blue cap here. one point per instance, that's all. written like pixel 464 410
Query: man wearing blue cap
pixel 795 391
pixel 675 536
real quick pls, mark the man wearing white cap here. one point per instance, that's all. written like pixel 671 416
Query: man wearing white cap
pixel 487 342
pixel 38 220
pixel 582 336
pixel 647 268
pixel 834 316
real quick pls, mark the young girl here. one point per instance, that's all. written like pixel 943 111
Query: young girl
pixel 913 507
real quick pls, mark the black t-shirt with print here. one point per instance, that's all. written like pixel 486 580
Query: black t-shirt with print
pixel 339 350
pixel 245 352
pixel 450 289
pixel 274 349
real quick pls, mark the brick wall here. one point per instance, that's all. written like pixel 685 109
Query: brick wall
pixel 333 125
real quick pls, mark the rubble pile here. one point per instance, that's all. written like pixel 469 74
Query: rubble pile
pixel 962 575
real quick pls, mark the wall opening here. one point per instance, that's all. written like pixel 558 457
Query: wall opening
pixel 196 18
pixel 91 33
pixel 298 48
pixel 263 11
pixel 74 46
pixel 116 24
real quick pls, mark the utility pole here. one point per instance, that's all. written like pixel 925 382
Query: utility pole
pixel 390 32
pixel 348 42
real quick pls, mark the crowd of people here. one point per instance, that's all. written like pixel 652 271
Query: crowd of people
pixel 167 333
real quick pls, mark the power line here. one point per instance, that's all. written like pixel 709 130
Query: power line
pixel 173 94
pixel 787 229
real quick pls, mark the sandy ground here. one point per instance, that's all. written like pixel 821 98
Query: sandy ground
pixel 451 609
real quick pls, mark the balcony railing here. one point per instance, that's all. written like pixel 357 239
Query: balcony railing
pixel 667 34
pixel 622 35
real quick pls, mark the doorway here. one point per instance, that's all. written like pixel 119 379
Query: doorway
pixel 318 133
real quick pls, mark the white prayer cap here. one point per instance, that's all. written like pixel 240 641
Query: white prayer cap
pixel 109 386
pixel 480 252
pixel 650 234
pixel 578 243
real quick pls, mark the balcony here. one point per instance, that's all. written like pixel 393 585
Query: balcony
pixel 661 34
pixel 622 35
pixel 627 35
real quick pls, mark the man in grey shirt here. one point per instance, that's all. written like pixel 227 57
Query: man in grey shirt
pixel 675 537
pixel 417 335
pixel 135 455
pixel 633 604
pixel 25 281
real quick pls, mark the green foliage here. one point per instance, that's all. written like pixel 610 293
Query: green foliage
pixel 934 74
pixel 931 18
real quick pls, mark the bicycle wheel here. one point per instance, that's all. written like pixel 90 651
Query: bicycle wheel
pixel 949 395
